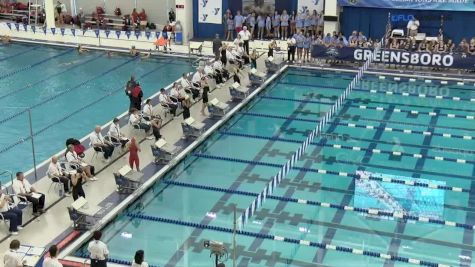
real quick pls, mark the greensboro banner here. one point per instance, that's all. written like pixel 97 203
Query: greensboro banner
pixel 210 11
pixel 400 57
pixel 452 5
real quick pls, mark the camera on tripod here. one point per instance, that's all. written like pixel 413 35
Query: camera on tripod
pixel 218 249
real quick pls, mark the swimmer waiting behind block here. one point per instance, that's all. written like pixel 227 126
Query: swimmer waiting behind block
pixel 5 39
pixel 133 52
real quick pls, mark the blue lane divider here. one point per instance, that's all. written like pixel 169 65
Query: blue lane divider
pixel 19 53
pixel 297 100
pixel 85 255
pixel 356 148
pixel 337 173
pixel 326 246
pixel 46 79
pixel 369 211
pixel 371 127
pixel 47 127
pixel 34 64
pixel 65 91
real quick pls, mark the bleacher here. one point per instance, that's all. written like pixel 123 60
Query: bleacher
pixel 109 21
pixel 14 15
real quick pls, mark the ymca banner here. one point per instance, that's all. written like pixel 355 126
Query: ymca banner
pixel 210 11
pixel 452 5
pixel 400 57
pixel 310 5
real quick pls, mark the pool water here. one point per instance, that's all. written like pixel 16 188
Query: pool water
pixel 171 221
pixel 68 95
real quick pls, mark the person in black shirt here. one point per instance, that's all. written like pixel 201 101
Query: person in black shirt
pixel 224 58
pixel 128 90
pixel 186 104
pixel 217 45
pixel 205 97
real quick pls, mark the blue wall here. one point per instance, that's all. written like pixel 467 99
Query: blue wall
pixel 202 30
pixel 372 21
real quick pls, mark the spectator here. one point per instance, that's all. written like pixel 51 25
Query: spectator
pixel 52 261
pixel 245 37
pixel 166 101
pixel 98 251
pixel 13 214
pixel 143 16
pixel 300 20
pixel 251 22
pixel 139 259
pixel 327 40
pixel 393 44
pixel 226 16
pixel 307 42
pixel 423 46
pixel 463 46
pixel 167 33
pixel 100 144
pixel 353 39
pixel 315 18
pixel 292 23
pixel 299 39
pixel 343 39
pixel 60 9
pixel 268 26
pixel 78 165
pixel 176 93
pixel 57 174
pixel 307 23
pixel 23 188
pixel 261 24
pixel 412 27
pixel 171 16
pixel 362 37
pixel 237 41
pixel 134 149
pixel 238 21
pixel 115 134
pixel 321 22
pixel 450 46
pixel 136 96
pixel 284 23
pixel 230 25
pixel 134 16
pixel 276 24
pixel 12 258
pixel 216 45
pixel 471 47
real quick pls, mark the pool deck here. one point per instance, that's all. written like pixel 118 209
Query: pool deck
pixel 55 225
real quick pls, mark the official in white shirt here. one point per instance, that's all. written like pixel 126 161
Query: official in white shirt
pixel 245 36
pixel 12 258
pixel 78 164
pixel 98 251
pixel 52 261
pixel 23 188
pixel 177 93
pixel 115 133
pixel 189 87
pixel 100 144
pixel 139 259
pixel 56 173
pixel 12 214
pixel 219 68
pixel 165 101
pixel 412 27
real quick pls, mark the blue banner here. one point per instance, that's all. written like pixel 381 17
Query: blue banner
pixel 128 34
pixel 53 31
pixel 465 5
pixel 25 27
pixel 157 34
pixel 399 57
pixel 33 28
pixel 137 34
pixel 107 33
pixel 147 34
pixel 9 25
pixel 97 32
pixel 118 34
pixel 62 31
pixel 73 32
pixel 17 26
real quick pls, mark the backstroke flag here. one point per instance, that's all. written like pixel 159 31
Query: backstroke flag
pixel 310 5
pixel 210 11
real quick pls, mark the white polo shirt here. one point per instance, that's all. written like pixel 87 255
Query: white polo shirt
pixel 21 187
pixel 217 65
pixel 12 259
pixel 5 208
pixel 144 264
pixel 54 169
pixel 72 156
pixel 209 70
pixel 175 92
pixel 51 262
pixel 96 138
pixel 147 110
pixel 185 83
pixel 413 25
pixel 196 77
pixel 245 35
pixel 98 250
pixel 133 119
pixel 114 130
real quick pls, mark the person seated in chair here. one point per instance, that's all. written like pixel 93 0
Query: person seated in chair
pixel 136 121
pixel 147 110
pixel 100 144
pixel 116 135
pixel 13 214
pixel 57 174
pixel 210 72
pixel 79 165
pixel 165 100
pixel 219 68
pixel 187 85
pixel 176 93
pixel 23 188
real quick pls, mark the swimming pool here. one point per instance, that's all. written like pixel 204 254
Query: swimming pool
pixel 68 95
pixel 415 141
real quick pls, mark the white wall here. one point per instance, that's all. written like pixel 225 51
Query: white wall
pixel 185 16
